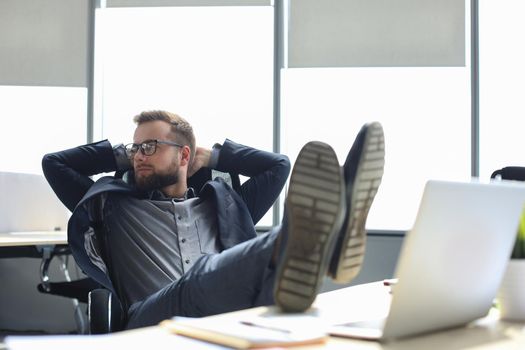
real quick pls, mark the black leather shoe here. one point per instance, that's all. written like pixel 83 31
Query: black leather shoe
pixel 363 170
pixel 314 212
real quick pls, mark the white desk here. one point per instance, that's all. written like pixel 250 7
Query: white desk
pixel 33 238
pixel 374 298
pixel 485 334
pixel 33 244
pixel 43 245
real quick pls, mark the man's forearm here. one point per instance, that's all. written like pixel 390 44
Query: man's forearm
pixel 247 161
pixel 267 174
pixel 68 171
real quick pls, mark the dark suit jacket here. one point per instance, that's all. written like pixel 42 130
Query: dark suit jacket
pixel 237 213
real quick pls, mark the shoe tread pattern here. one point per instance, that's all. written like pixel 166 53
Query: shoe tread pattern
pixel 314 205
pixel 366 184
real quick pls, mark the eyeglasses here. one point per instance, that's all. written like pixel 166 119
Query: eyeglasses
pixel 148 147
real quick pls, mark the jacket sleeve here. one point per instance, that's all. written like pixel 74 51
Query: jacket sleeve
pixel 68 172
pixel 267 174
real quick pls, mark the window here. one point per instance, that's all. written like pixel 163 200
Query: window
pixel 425 113
pixel 214 66
pixel 211 65
pixel 39 120
pixel 502 73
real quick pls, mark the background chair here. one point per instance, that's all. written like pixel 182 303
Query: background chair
pixel 510 173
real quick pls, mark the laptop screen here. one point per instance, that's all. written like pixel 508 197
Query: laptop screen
pixel 453 260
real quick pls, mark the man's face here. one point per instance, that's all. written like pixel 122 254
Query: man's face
pixel 160 169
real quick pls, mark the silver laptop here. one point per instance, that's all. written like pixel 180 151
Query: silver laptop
pixel 451 262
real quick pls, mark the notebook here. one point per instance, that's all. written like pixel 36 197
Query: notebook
pixel 452 261
pixel 239 334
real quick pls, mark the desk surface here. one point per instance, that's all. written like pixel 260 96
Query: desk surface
pixel 486 333
pixel 33 238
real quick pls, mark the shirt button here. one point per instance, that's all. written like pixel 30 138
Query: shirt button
pixel 187 261
pixel 183 240
pixel 179 217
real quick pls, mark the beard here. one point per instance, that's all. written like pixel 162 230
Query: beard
pixel 157 181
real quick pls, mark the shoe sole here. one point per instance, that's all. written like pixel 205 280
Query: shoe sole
pixel 367 180
pixel 315 211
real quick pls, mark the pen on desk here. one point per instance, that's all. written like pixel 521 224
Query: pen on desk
pixel 258 325
pixel 390 281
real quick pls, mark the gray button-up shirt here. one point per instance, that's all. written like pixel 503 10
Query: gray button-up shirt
pixel 156 241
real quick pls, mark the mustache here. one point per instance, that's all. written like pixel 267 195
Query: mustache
pixel 140 167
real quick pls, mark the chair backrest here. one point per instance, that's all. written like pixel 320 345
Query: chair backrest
pixel 197 180
pixel 510 173
pixel 204 175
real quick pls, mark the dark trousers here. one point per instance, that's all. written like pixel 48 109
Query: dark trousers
pixel 237 278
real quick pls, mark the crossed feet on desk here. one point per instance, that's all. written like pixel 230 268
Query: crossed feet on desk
pixel 323 231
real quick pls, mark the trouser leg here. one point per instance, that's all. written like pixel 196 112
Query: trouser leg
pixel 235 279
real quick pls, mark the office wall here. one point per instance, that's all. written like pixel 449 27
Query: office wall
pixel 380 261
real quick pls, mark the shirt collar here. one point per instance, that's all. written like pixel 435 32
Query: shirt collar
pixel 158 195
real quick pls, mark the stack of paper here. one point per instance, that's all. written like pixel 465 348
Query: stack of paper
pixel 255 332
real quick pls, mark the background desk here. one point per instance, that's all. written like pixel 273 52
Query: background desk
pixel 22 307
pixel 33 238
pixel 34 244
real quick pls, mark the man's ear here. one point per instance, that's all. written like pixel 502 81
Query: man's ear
pixel 185 155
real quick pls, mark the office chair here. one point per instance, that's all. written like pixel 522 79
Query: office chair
pixel 76 290
pixel 105 313
pixel 510 173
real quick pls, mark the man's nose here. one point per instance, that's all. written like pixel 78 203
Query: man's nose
pixel 139 156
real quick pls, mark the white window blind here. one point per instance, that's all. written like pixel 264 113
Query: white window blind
pixel 44 43
pixel 376 33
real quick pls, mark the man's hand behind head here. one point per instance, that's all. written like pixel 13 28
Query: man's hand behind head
pixel 202 159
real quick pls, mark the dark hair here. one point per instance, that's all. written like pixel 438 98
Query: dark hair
pixel 182 130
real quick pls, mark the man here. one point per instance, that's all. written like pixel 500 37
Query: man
pixel 166 251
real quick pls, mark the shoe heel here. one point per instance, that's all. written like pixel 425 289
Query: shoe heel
pixel 364 188
pixel 315 209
